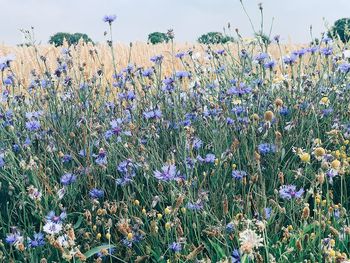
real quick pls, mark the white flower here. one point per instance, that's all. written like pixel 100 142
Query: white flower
pixel 346 53
pixel 34 193
pixel 52 228
pixel 249 241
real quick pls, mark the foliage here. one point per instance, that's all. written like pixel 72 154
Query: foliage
pixel 158 37
pixel 341 29
pixel 214 38
pixel 72 39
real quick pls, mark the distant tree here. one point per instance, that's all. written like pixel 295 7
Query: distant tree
pixel 341 28
pixel 72 39
pixel 214 38
pixel 158 37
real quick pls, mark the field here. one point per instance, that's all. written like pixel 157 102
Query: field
pixel 175 153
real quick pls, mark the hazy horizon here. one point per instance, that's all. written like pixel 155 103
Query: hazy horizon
pixel 189 19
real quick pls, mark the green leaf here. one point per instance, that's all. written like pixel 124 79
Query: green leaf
pixel 78 223
pixel 218 250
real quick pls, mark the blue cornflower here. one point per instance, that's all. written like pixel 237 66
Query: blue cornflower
pixel 14 238
pixel 180 55
pixel 147 72
pixel 326 51
pixel 167 173
pixel 68 179
pixel 237 174
pixel 2 160
pixel 260 58
pixel 266 148
pixel 101 158
pixel 236 256
pixel 289 192
pixel 175 247
pixel 33 125
pixel 157 59
pixel 153 114
pixel 96 193
pixel 300 52
pixel 109 18
pixel 267 211
pixel 67 158
pixel 209 158
pixel 182 74
pixel 52 217
pixel 344 67
pixel 36 241
pixel 230 227
pixel 195 206
pixel 270 65
pixel 289 60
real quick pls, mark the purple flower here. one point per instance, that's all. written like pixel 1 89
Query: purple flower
pixel 180 55
pixel 260 58
pixel 270 65
pixel 175 247
pixel 68 179
pixel 289 60
pixel 344 67
pixel 109 18
pixel 2 160
pixel 266 148
pixel 195 206
pixel 182 74
pixel 289 192
pixel 101 158
pixel 209 158
pixel 326 51
pixel 300 52
pixel 237 174
pixel 157 59
pixel 267 211
pixel 52 217
pixel 220 52
pixel 236 256
pixel 230 227
pixel 36 241
pixel 13 238
pixel 153 114
pixel 96 193
pixel 33 125
pixel 147 72
pixel 167 173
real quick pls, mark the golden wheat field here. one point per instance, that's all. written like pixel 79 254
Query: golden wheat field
pixel 99 56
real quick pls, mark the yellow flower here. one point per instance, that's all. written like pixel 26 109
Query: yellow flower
pixel 335 164
pixel 167 225
pixel 324 101
pixel 108 236
pixel 98 236
pixel 167 211
pixel 130 236
pixel 331 253
pixel 136 202
pixel 305 157
pixel 319 151
pixel 159 216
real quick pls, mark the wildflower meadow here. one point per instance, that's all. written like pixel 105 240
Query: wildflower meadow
pixel 234 152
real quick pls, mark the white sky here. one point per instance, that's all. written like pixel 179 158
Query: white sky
pixel 189 18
